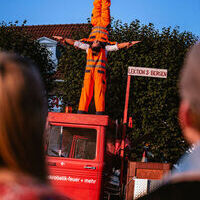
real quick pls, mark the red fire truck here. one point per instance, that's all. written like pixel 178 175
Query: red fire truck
pixel 83 155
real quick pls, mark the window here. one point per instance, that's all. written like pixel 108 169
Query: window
pixel 54 141
pixel 79 143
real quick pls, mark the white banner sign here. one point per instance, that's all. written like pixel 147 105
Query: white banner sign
pixel 149 72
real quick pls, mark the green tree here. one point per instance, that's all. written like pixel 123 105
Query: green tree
pixel 14 39
pixel 153 102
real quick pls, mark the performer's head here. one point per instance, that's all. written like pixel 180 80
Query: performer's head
pixel 189 112
pixel 96 46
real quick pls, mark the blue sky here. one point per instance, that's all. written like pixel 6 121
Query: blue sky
pixel 162 13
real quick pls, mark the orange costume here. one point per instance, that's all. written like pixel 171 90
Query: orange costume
pixel 95 73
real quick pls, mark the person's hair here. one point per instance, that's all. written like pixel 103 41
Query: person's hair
pixel 189 86
pixel 98 49
pixel 23 112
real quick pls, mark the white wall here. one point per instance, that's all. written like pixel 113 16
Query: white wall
pixel 51 46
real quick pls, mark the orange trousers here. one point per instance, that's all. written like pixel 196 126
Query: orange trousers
pixel 94 80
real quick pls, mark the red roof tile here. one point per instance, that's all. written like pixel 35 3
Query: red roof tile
pixel 65 30
pixel 58 75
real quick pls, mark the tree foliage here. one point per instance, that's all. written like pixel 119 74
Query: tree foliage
pixel 14 39
pixel 153 102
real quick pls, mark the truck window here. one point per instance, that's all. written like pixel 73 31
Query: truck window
pixel 54 137
pixel 79 143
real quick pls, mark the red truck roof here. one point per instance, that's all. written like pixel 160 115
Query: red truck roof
pixel 86 119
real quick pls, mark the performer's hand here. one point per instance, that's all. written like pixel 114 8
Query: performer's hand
pixel 132 43
pixel 58 37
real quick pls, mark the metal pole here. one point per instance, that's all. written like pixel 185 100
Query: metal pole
pixel 127 99
pixel 124 128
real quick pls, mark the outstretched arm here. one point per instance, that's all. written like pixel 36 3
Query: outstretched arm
pixel 127 44
pixel 69 41
pixel 75 43
pixel 63 40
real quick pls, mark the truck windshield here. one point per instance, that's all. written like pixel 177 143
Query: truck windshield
pixel 79 143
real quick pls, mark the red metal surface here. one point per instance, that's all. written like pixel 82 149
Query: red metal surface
pixel 79 178
pixel 127 99
pixel 75 138
pixel 124 127
pixel 69 118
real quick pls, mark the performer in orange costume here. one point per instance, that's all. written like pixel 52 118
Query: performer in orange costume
pixel 97 46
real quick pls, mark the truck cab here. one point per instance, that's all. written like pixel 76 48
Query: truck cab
pixel 81 155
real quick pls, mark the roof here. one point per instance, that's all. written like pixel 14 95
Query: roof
pixel 65 30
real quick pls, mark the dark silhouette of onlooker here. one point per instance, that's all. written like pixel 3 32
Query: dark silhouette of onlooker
pixel 23 112
pixel 184 181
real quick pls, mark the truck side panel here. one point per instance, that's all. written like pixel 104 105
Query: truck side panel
pixel 79 178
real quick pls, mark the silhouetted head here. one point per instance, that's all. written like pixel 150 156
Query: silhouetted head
pixel 23 112
pixel 189 113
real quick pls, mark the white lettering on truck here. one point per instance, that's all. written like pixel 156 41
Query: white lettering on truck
pixel 71 179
